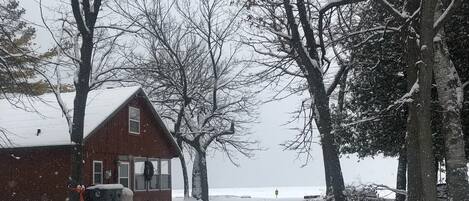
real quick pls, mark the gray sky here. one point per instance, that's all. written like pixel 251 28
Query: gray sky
pixel 273 167
pixel 276 167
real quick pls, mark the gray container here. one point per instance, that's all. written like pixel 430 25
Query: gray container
pixel 104 192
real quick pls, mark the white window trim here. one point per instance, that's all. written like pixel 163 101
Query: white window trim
pixel 128 173
pixel 136 133
pixel 156 173
pixel 94 171
pixel 138 159
pixel 169 173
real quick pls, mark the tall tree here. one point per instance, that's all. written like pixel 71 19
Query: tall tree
pixel 192 72
pixel 451 97
pixel 85 14
pixel 292 44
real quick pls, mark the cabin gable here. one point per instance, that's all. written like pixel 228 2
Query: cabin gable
pixel 114 136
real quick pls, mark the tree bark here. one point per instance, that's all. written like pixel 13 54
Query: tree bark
pixel 450 96
pixel 334 178
pixel 79 107
pixel 425 76
pixel 411 49
pixel 185 176
pixel 200 177
pixel 401 180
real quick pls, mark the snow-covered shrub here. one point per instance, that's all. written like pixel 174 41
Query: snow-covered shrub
pixel 361 193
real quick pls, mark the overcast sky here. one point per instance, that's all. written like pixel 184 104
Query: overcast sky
pixel 276 167
pixel 273 167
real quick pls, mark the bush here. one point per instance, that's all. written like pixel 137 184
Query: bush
pixel 362 193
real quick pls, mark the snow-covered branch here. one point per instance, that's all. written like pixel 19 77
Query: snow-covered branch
pixel 392 10
pixel 212 137
pixel 408 97
pixel 466 84
pixel 453 6
pixel 337 78
pixel 385 187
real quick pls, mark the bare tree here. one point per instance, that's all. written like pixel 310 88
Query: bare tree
pixel 85 14
pixel 191 71
pixel 291 41
pixel 94 53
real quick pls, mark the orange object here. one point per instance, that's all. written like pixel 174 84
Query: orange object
pixel 81 190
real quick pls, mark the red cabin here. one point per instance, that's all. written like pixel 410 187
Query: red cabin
pixel 122 131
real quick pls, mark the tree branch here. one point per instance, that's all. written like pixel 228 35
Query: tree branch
pixel 337 78
pixel 466 84
pixel 453 6
pixel 79 17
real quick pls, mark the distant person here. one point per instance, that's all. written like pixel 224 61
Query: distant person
pixel 276 193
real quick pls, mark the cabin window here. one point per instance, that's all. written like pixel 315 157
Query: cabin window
pixel 124 173
pixel 97 172
pixel 139 178
pixel 155 180
pixel 134 120
pixel 165 174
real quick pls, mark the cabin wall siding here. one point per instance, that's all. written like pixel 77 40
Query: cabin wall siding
pixel 39 174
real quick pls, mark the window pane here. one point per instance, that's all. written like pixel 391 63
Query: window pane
pixel 124 170
pixel 164 167
pixel 139 182
pixel 98 172
pixel 134 113
pixel 97 167
pixel 154 182
pixel 134 126
pixel 165 181
pixel 155 167
pixel 97 179
pixel 139 167
pixel 124 182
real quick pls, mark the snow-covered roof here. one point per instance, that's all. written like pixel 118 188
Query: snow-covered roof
pixel 45 114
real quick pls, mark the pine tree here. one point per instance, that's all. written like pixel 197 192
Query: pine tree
pixel 17 59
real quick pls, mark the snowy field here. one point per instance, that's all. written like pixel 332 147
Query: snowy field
pixel 265 193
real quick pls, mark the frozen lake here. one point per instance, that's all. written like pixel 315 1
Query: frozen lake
pixel 263 192
pixel 266 193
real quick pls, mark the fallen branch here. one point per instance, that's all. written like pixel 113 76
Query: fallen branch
pixel 384 187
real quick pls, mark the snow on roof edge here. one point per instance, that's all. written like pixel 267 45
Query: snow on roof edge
pixel 50 123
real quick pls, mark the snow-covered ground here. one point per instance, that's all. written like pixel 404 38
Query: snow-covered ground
pixel 265 193
pixel 262 192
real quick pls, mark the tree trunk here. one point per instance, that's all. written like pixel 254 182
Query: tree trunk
pixel 308 61
pixel 414 190
pixel 425 76
pixel 79 107
pixel 450 96
pixel 334 178
pixel 200 177
pixel 185 176
pixel 401 180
